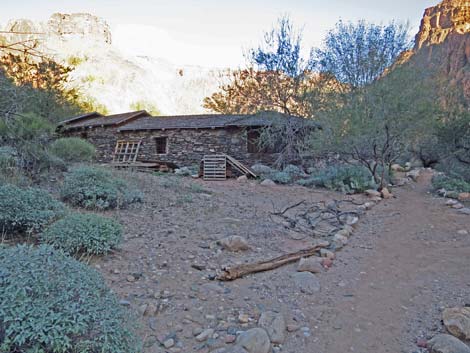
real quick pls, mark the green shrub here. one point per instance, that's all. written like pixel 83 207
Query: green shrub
pixel 97 188
pixel 281 177
pixel 450 183
pixel 262 170
pixel 27 210
pixel 73 149
pixel 84 233
pixel 344 178
pixel 52 303
pixel 294 171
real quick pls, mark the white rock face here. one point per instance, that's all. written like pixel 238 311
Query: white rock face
pixel 119 81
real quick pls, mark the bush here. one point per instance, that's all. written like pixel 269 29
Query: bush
pixel 294 171
pixel 281 177
pixel 97 188
pixel 73 149
pixel 262 170
pixel 450 183
pixel 84 233
pixel 344 178
pixel 27 210
pixel 52 303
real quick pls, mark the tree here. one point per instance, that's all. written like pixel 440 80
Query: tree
pixel 359 53
pixel 277 77
pixel 375 125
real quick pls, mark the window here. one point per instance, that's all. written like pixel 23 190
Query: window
pixel 162 145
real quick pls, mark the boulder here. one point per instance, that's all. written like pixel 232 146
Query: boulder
pixel 447 344
pixel 306 282
pixel 372 193
pixel 242 179
pixel 457 322
pixel 275 326
pixel 255 340
pixel 234 243
pixel 386 194
pixel 310 264
pixel 268 182
pixel 413 174
pixel 464 196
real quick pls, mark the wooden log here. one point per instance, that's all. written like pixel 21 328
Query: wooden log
pixel 239 271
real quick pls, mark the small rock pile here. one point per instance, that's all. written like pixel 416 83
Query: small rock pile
pixel 457 323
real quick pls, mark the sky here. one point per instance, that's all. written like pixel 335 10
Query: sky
pixel 214 33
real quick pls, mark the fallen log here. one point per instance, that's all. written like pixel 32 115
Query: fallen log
pixel 239 271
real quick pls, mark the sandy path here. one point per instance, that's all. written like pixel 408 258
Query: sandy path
pixel 404 264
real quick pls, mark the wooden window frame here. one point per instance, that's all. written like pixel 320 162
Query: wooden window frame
pixel 159 144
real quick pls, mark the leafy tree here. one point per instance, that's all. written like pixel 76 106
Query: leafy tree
pixel 359 53
pixel 375 125
pixel 277 77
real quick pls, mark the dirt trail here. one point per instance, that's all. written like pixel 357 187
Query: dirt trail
pixel 405 263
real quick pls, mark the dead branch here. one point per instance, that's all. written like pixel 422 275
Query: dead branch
pixel 239 271
pixel 287 209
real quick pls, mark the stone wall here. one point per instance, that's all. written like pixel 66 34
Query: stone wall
pixel 103 138
pixel 185 146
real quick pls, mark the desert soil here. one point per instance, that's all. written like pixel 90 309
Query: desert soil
pixel 387 287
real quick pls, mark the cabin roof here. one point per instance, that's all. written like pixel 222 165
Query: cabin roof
pixel 96 119
pixel 207 121
pixel 141 121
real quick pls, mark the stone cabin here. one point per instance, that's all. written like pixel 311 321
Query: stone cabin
pixel 178 140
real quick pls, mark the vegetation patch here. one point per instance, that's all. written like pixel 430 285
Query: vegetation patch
pixel 84 234
pixel 344 178
pixel 52 303
pixel 73 149
pixel 97 188
pixel 450 183
pixel 27 210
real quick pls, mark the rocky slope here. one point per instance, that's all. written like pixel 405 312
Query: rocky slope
pixel 443 41
pixel 108 76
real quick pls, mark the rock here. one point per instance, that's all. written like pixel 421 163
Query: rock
pixel 413 174
pixel 169 343
pixel 462 232
pixel 465 211
pixel 268 182
pixel 446 344
pixel 234 243
pixel 255 340
pixel 327 262
pixel 372 193
pixel 397 168
pixel 205 335
pixel 341 239
pixel 242 179
pixel 275 326
pixel 458 206
pixel 230 339
pixel 396 181
pixel 292 328
pixel 457 322
pixel 451 202
pixel 310 264
pixel 234 349
pixel 422 343
pixel 306 282
pixel 464 197
pixel 386 194
pixel 243 318
pixel 327 254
